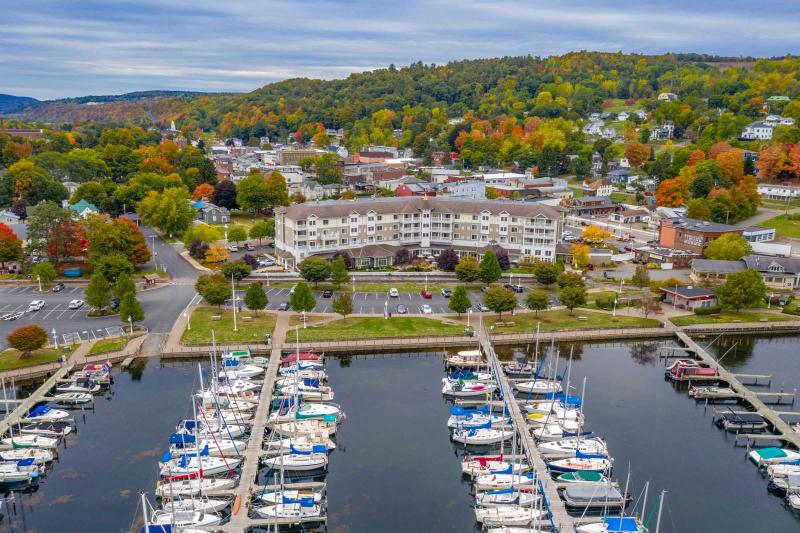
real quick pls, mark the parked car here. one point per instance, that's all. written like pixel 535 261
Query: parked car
pixel 590 267
pixel 36 305
pixel 75 304
pixel 58 287
pixel 114 304
pixel 233 247
pixel 13 316
pixel 270 245
pixel 327 293
pixel 263 263
pixel 515 288
pixel 425 293
pixel 447 293
pixel 284 306
pixel 402 309
pixel 394 293
pixel 608 275
pixel 250 247
pixel 426 309
pixel 480 308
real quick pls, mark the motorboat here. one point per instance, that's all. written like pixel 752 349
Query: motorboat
pixel 212 429
pixel 325 411
pixel 230 416
pixel 84 385
pixel 793 501
pixel 566 417
pixel 48 429
pixel 736 422
pixel 202 504
pixel 277 496
pixel 212 398
pixel 100 374
pixel 303 366
pixel 467 389
pixel 481 436
pixel 39 456
pixel 313 426
pixel 765 456
pixel 779 470
pixel 503 481
pixel 580 463
pixel 232 368
pixel 465 359
pixel 308 389
pixel 45 413
pixel 302 357
pixel 582 476
pixel 592 496
pixel 303 443
pixel 184 464
pixel 570 445
pixel 613 524
pixel 689 369
pixel 510 496
pixel 23 471
pixel 297 461
pixel 474 468
pixel 194 487
pixel 30 441
pixel 712 392
pixel 785 484
pixel 509 515
pixel 304 511
pixel 538 386
pixel 181 520
pixel 519 369
pixel 466 374
pixel 72 398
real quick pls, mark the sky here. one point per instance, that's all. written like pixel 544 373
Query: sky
pixel 56 48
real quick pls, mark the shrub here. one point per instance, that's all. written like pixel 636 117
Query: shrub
pixel 605 302
pixel 703 311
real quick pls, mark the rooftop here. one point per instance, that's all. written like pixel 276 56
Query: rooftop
pixel 701 225
pixel 689 291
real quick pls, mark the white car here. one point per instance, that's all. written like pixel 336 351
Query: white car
pixel 75 304
pixel 36 305
pixel 263 263
pixel 394 293
pixel 233 248
pixel 426 309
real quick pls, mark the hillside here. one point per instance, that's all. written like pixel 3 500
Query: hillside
pixel 13 104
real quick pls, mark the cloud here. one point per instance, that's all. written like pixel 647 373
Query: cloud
pixel 54 49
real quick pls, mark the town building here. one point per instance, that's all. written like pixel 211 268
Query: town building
pixel 598 188
pixel 689 297
pixel 667 97
pixel 25 133
pixel 373 230
pixel 781 273
pixel 663 132
pixel 84 208
pixel 292 156
pixel 210 213
pixel 7 217
pixel 757 131
pixel 631 216
pixel 758 234
pixel 688 234
pixel 592 206
pixel 775 191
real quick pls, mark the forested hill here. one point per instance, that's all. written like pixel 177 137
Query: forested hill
pixel 13 104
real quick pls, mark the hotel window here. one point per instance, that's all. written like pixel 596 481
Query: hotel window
pixel 503 229
pixel 300 244
pixel 312 222
pixel 485 217
pixel 354 220
pixel 354 241
pixel 513 219
pixel 353 230
pixel 484 228
pixel 324 221
pixel 370 239
pixel 395 236
pixel 380 217
pixel 344 241
pixel 503 219
pixel 514 229
pixel 474 217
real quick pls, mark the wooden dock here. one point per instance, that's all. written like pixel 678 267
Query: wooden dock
pixel 784 430
pixel 561 520
pixel 39 395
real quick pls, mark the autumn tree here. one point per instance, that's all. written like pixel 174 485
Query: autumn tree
pixel 217 253
pixel 277 190
pixel 572 296
pixel 54 231
pixel 648 305
pixel 636 153
pixel 252 193
pixel 580 254
pixel 255 298
pixel 447 260
pixel 10 245
pixel 641 276
pixel 594 234
pixel 262 229
pixel 570 279
pixel 697 208
pixel 237 270
pixel 214 288
pixel 731 164
pixel 205 233
pixel 120 235
pixel 546 273
pixel 728 247
pixel 342 305
pixel 170 210
pixel 672 192
pixel 237 233
pixel 45 272
pixel 771 162
pixel 27 339
pixel 225 194
pixel 468 270
pixel 204 190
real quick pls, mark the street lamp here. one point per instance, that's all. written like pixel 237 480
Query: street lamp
pixel 469 314
pixel 614 312
pixel 354 284
pixel 226 233
pixel 233 299
pixel 39 279
pixel 155 254
pixel 55 339
pixel 188 322
pixel 621 283
pixel 130 321
pixel 769 302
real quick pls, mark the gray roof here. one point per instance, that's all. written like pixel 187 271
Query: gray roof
pixel 592 202
pixel 715 265
pixel 415 204
pixel 702 225
pixel 689 291
pixel 762 263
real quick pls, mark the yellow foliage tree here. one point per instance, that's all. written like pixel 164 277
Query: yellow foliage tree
pixel 594 234
pixel 580 255
pixel 216 254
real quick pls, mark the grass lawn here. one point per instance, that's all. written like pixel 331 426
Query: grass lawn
pixel 252 330
pixel 729 316
pixel 561 319
pixel 784 226
pixel 372 327
pixel 623 197
pixel 780 204
pixel 297 320
pixel 108 345
pixel 9 359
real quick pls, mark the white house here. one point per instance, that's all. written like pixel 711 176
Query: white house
pixel 667 97
pixel 757 131
pixel 623 116
pixel 593 128
pixel 594 117
pixel 663 131
pixel 641 113
pixel 773 191
pixel 787 121
pixel 7 217
pixel 609 133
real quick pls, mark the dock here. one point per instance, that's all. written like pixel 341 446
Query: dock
pixel 561 520
pixel 39 395
pixel 784 431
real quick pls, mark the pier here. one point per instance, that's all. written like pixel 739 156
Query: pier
pixel 785 431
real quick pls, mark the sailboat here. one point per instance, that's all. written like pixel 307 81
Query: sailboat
pixel 305 411
pixel 465 374
pixel 508 515
pixel 48 429
pixel 467 389
pixel 503 481
pixel 304 427
pixel 232 368
pixel 303 366
pixel 509 496
pixel 23 471
pixel 298 461
pixel 202 504
pixel 570 445
pixel 185 519
pixel 194 487
pixel 39 456
pixel 304 510
pixel 188 444
pixel 556 431
pixel 538 386
pixel 184 465
pixel 613 524
pixel 212 429
pixel 307 389
pixel 581 463
pixel 482 435
pixel 582 476
pixel 477 466
pixel 277 496
pixel 303 443
pixel 30 441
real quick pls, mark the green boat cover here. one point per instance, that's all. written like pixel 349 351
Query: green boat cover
pixel 770 453
pixel 583 475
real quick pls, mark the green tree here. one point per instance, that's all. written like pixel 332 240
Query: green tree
pixel 27 339
pixel 202 232
pixel 641 277
pixel 170 210
pixel 339 272
pixel 490 270
pixel 52 230
pixel 459 301
pixel 237 270
pixel 343 305
pixel 728 246
pixel 213 288
pixel 124 285
pixel 277 190
pixel 569 279
pixel 697 208
pixel 468 270
pixel 572 296
pixel 314 269
pixel 98 291
pixel 499 299
pixel 255 298
pixel 237 234
pixel 111 266
pixel 44 271
pixel 302 299
pixel 546 273
pixel 263 228
pixel 328 169
pixel 130 309
pixel 537 301
pixel 742 289
pixel 252 193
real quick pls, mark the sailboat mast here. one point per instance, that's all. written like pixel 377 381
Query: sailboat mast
pixel 144 514
pixel 627 484
pixel 660 505
pixel 644 499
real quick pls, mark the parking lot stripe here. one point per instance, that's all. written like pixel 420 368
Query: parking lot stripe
pixel 73 289
pixel 5 307
pixel 51 312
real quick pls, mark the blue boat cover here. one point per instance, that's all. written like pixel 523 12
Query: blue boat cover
pixel 166 528
pixel 319 448
pixel 509 490
pixel 569 401
pixel 507 470
pixel 461 374
pixel 329 418
pixel 230 362
pixel 28 461
pixel 304 502
pixel 189 424
pixel 308 382
pixel 579 455
pixel 616 524
pixel 166 457
pixel 582 434
pixel 42 409
pixel 295 451
pixel 181 439
pixel 458 410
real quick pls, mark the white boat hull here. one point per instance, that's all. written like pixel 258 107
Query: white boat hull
pixel 185 519
pixel 194 487
pixel 210 466
pixel 479 437
pixel 39 456
pixel 570 445
pixel 297 463
pixel 539 386
pixel 502 481
pixel 509 515
pixel 276 497
pixel 204 505
pixel 290 511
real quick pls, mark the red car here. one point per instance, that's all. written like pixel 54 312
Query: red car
pixel 425 293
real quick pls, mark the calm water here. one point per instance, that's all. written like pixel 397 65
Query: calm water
pixel 95 485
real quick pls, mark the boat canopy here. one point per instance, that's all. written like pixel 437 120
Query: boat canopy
pixel 619 524
pixel 581 455
pixel 581 434
pixel 771 453
pixel 302 502
pixel 507 470
pixel 458 410
pixel 586 475
pixel 39 411
pixel 181 438
pixel 464 373
pixel 316 448
pixel 509 490
pixel 230 362
pixel 28 461
pixel 308 382
pixel 569 401
pixel 474 430
pixel 166 528
pixel 486 459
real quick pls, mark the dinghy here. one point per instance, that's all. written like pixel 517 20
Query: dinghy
pixel 23 471
pixel 510 496
pixel 765 456
pixel 581 476
pixel 39 456
pixel 481 436
pixel 276 497
pixel 30 441
pixel 181 520
pixel 45 413
pixel 613 524
pixel 580 463
pixel 570 445
pixel 72 398
pixel 204 505
pixel 467 389
pixel 508 515
pixel 503 481
pixel 303 512
pixel 465 359
pixel 84 385
pixel 193 487
pixel 297 461
pixel 539 386
pixel 48 429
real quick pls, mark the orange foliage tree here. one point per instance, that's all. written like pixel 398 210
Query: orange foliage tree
pixel 695 157
pixel 636 153
pixel 204 190
pixel 672 192
pixel 771 162
pixel 731 162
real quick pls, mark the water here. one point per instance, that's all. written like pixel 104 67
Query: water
pixel 95 485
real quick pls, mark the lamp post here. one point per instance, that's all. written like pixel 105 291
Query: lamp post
pixel 267 278
pixel 614 312
pixel 39 279
pixel 621 283
pixel 226 233
pixel 233 299
pixel 469 315
pixel 769 302
pixel 55 339
pixel 354 284
pixel 304 319
pixel 153 247
pixel 188 322
pixel 426 283
pixel 130 322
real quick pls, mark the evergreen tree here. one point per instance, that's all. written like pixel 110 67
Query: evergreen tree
pixel 490 270
pixel 255 298
pixel 98 292
pixel 302 298
pixel 459 301
pixel 339 272
pixel 130 308
pixel 123 286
